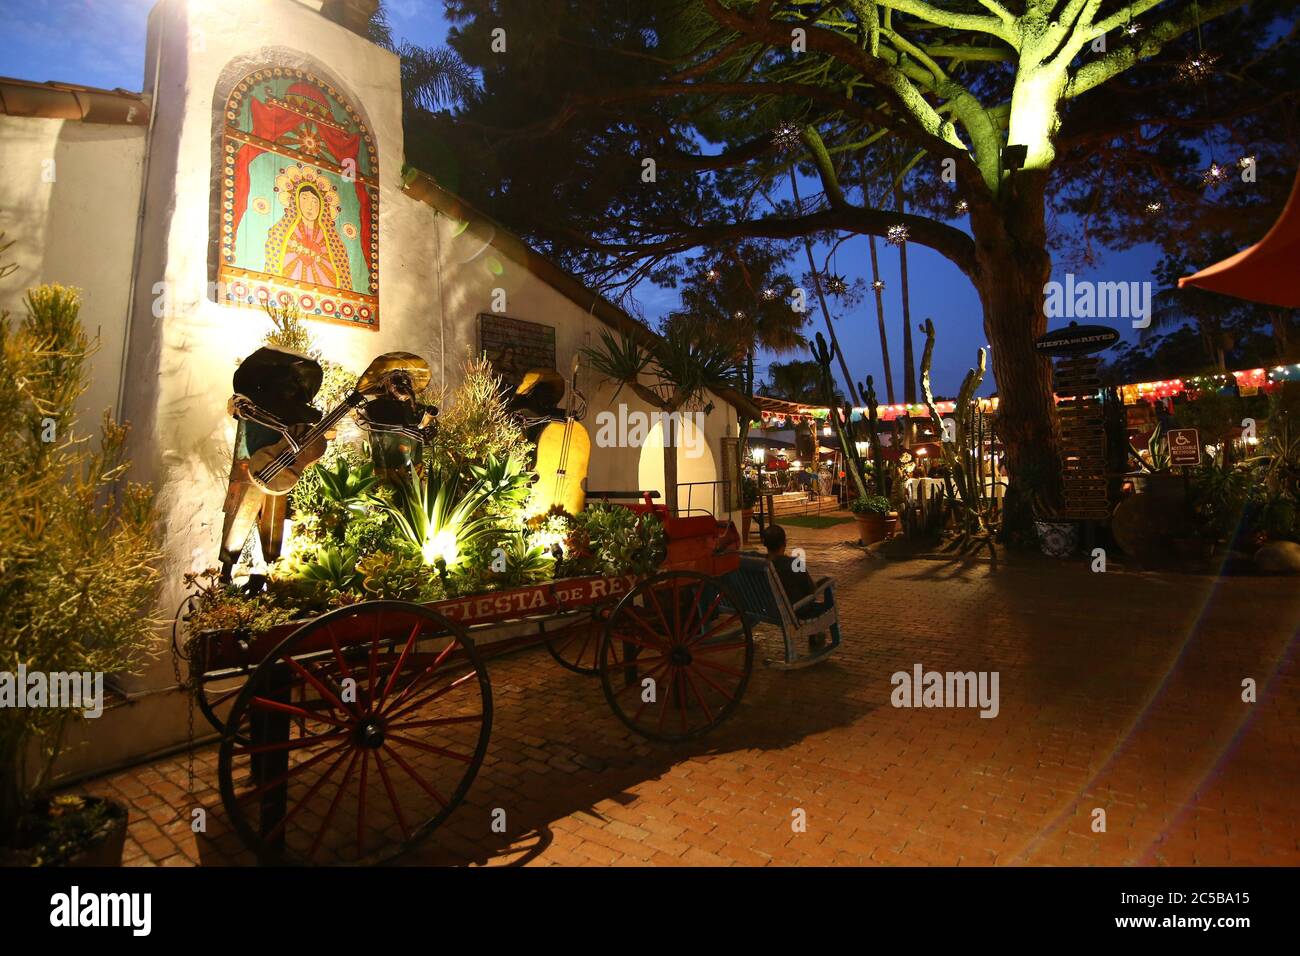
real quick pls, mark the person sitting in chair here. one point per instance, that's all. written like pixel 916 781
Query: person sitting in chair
pixel 796 582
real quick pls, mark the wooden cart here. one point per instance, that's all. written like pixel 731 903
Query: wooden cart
pixel 349 737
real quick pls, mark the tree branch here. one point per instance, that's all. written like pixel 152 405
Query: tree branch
pixel 937 16
pixel 1112 64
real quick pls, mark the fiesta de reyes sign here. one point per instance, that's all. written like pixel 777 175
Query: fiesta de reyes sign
pixel 299 200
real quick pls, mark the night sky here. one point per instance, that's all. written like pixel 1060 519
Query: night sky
pixel 101 43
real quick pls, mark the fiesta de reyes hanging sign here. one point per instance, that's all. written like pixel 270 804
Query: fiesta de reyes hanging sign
pixel 300 200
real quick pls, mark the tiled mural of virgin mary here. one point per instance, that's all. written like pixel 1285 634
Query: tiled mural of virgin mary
pixel 299 199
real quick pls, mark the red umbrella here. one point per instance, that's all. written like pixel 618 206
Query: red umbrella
pixel 1266 272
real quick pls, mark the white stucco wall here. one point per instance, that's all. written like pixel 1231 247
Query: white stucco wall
pixel 69 201
pixel 184 347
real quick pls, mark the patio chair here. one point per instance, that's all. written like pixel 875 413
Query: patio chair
pixel 763 600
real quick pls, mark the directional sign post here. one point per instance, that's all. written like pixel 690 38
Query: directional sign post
pixel 1184 447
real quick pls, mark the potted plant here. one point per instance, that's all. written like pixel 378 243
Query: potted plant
pixel 748 498
pixel 77 580
pixel 870 512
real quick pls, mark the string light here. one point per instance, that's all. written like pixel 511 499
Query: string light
pixel 1216 175
pixel 896 235
pixel 787 138
pixel 1198 66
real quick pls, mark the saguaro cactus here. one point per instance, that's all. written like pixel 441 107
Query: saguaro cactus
pixel 868 391
pixel 962 450
pixel 824 356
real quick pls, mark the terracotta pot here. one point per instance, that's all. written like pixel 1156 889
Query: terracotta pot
pixel 105 847
pixel 871 528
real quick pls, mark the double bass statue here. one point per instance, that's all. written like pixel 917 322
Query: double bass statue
pixel 563 445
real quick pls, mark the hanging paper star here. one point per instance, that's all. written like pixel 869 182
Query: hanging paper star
pixel 769 294
pixel 896 235
pixel 738 315
pixel 836 285
pixel 1216 175
pixel 1246 162
pixel 878 285
pixel 1197 67
pixel 1131 29
pixel 1154 207
pixel 962 206
pixel 787 137
pixel 712 275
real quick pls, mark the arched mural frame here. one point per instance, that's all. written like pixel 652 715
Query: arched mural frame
pixel 315 138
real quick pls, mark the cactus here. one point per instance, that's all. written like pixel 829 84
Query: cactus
pixel 964 483
pixel 877 457
pixel 824 356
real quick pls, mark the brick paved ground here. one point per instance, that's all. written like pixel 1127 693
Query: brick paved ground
pixel 1120 691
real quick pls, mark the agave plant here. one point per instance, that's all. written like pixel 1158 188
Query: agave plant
pixel 439 520
pixel 333 569
pixel 506 480
pixel 353 490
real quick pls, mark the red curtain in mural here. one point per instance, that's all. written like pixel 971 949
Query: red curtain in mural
pixel 272 121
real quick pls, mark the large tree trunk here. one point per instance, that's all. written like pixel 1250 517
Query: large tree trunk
pixel 1013 267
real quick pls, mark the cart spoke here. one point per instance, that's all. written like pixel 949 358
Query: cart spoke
pixel 718 688
pixel 334 804
pixel 426 673
pixel 327 694
pixel 281 745
pixel 657 639
pixel 265 703
pixel 284 820
pixel 459 681
pixel 715 630
pixel 361 803
pixel 718 667
pixel 429 748
pixel 401 660
pixel 435 722
pixel 699 698
pixel 305 765
pixel 630 685
pixel 392 796
pixel 428 787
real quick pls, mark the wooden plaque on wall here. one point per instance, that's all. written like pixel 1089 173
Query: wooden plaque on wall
pixel 514 346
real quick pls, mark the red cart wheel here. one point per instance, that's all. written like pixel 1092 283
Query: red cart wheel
pixel 576 643
pixel 676 656
pixel 356 737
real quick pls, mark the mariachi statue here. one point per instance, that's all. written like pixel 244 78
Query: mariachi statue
pixel 563 445
pixel 280 434
pixel 399 427
pixel 273 391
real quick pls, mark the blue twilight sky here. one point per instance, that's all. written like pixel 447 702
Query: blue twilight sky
pixel 101 43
